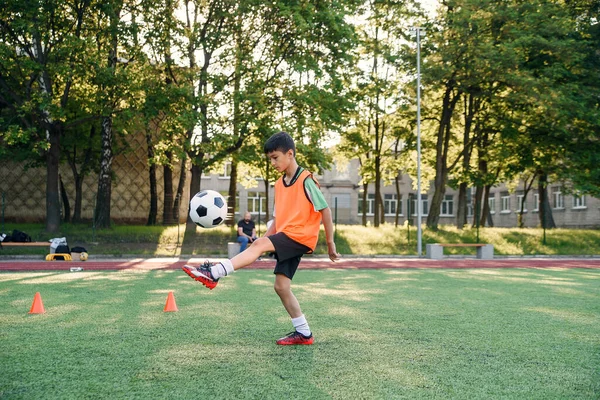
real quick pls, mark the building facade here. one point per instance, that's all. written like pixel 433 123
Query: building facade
pixel 343 192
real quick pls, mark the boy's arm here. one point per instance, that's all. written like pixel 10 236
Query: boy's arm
pixel 328 225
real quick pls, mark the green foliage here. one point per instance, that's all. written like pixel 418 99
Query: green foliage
pixel 505 84
pixel 215 85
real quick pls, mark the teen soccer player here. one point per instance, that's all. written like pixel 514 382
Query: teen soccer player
pixel 299 210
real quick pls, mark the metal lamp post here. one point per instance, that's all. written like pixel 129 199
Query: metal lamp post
pixel 417 30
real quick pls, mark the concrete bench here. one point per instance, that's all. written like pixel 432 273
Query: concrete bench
pixel 233 249
pixel 436 250
pixel 23 244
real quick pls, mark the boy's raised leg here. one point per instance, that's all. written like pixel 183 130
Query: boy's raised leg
pixel 209 273
pixel 251 254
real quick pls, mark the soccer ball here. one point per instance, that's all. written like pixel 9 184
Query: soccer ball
pixel 83 256
pixel 208 209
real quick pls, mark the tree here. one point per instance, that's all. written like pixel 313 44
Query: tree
pixel 378 97
pixel 43 56
pixel 285 59
pixel 516 66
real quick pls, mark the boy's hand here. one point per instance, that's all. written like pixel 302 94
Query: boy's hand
pixel 333 254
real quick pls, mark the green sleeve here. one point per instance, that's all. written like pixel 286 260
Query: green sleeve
pixel 315 195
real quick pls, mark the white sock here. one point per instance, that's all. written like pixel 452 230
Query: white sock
pixel 301 325
pixel 221 269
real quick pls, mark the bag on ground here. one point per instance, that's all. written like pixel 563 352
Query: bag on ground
pixel 17 236
pixel 54 243
pixel 62 249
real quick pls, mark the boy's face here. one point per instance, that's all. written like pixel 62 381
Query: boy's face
pixel 280 160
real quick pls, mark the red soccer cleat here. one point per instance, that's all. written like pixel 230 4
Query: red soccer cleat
pixel 294 338
pixel 202 274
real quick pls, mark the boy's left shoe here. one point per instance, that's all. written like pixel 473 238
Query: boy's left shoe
pixel 294 338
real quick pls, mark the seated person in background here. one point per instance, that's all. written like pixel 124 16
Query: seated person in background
pixel 246 231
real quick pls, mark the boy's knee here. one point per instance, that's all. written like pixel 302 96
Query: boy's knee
pixel 281 288
pixel 263 244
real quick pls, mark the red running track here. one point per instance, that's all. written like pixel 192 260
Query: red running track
pixel 309 263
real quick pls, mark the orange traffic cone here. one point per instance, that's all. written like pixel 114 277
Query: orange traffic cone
pixel 37 307
pixel 170 305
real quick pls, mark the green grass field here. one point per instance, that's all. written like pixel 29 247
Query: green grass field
pixel 123 240
pixel 380 334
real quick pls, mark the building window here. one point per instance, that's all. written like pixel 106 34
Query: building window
pixel 370 204
pixel 390 202
pixel 505 203
pixel 536 202
pixel 447 207
pixel 557 198
pixel 257 203
pixel 520 199
pixel 424 204
pixel 492 203
pixel 579 201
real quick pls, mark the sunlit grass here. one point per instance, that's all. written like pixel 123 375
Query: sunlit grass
pixel 387 239
pixel 415 334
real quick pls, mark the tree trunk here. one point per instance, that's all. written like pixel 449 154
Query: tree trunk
pixel 477 206
pixel 153 212
pixel 168 196
pixel 545 211
pixel 485 206
pixel 398 200
pixel 79 176
pixel 78 198
pixel 526 188
pixel 377 199
pixel 52 190
pixel 364 201
pixel 103 196
pixel 482 170
pixel 441 162
pixel 232 191
pixel 180 188
pixel 194 186
pixel 237 78
pixel 463 207
pixel 53 136
pixel 381 210
pixel 65 200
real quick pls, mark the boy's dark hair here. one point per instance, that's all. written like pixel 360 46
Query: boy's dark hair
pixel 281 141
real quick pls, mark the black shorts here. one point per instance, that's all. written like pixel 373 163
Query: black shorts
pixel 288 253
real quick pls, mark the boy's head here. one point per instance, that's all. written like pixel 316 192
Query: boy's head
pixel 281 141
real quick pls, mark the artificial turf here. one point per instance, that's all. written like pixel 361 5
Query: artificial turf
pixel 380 334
